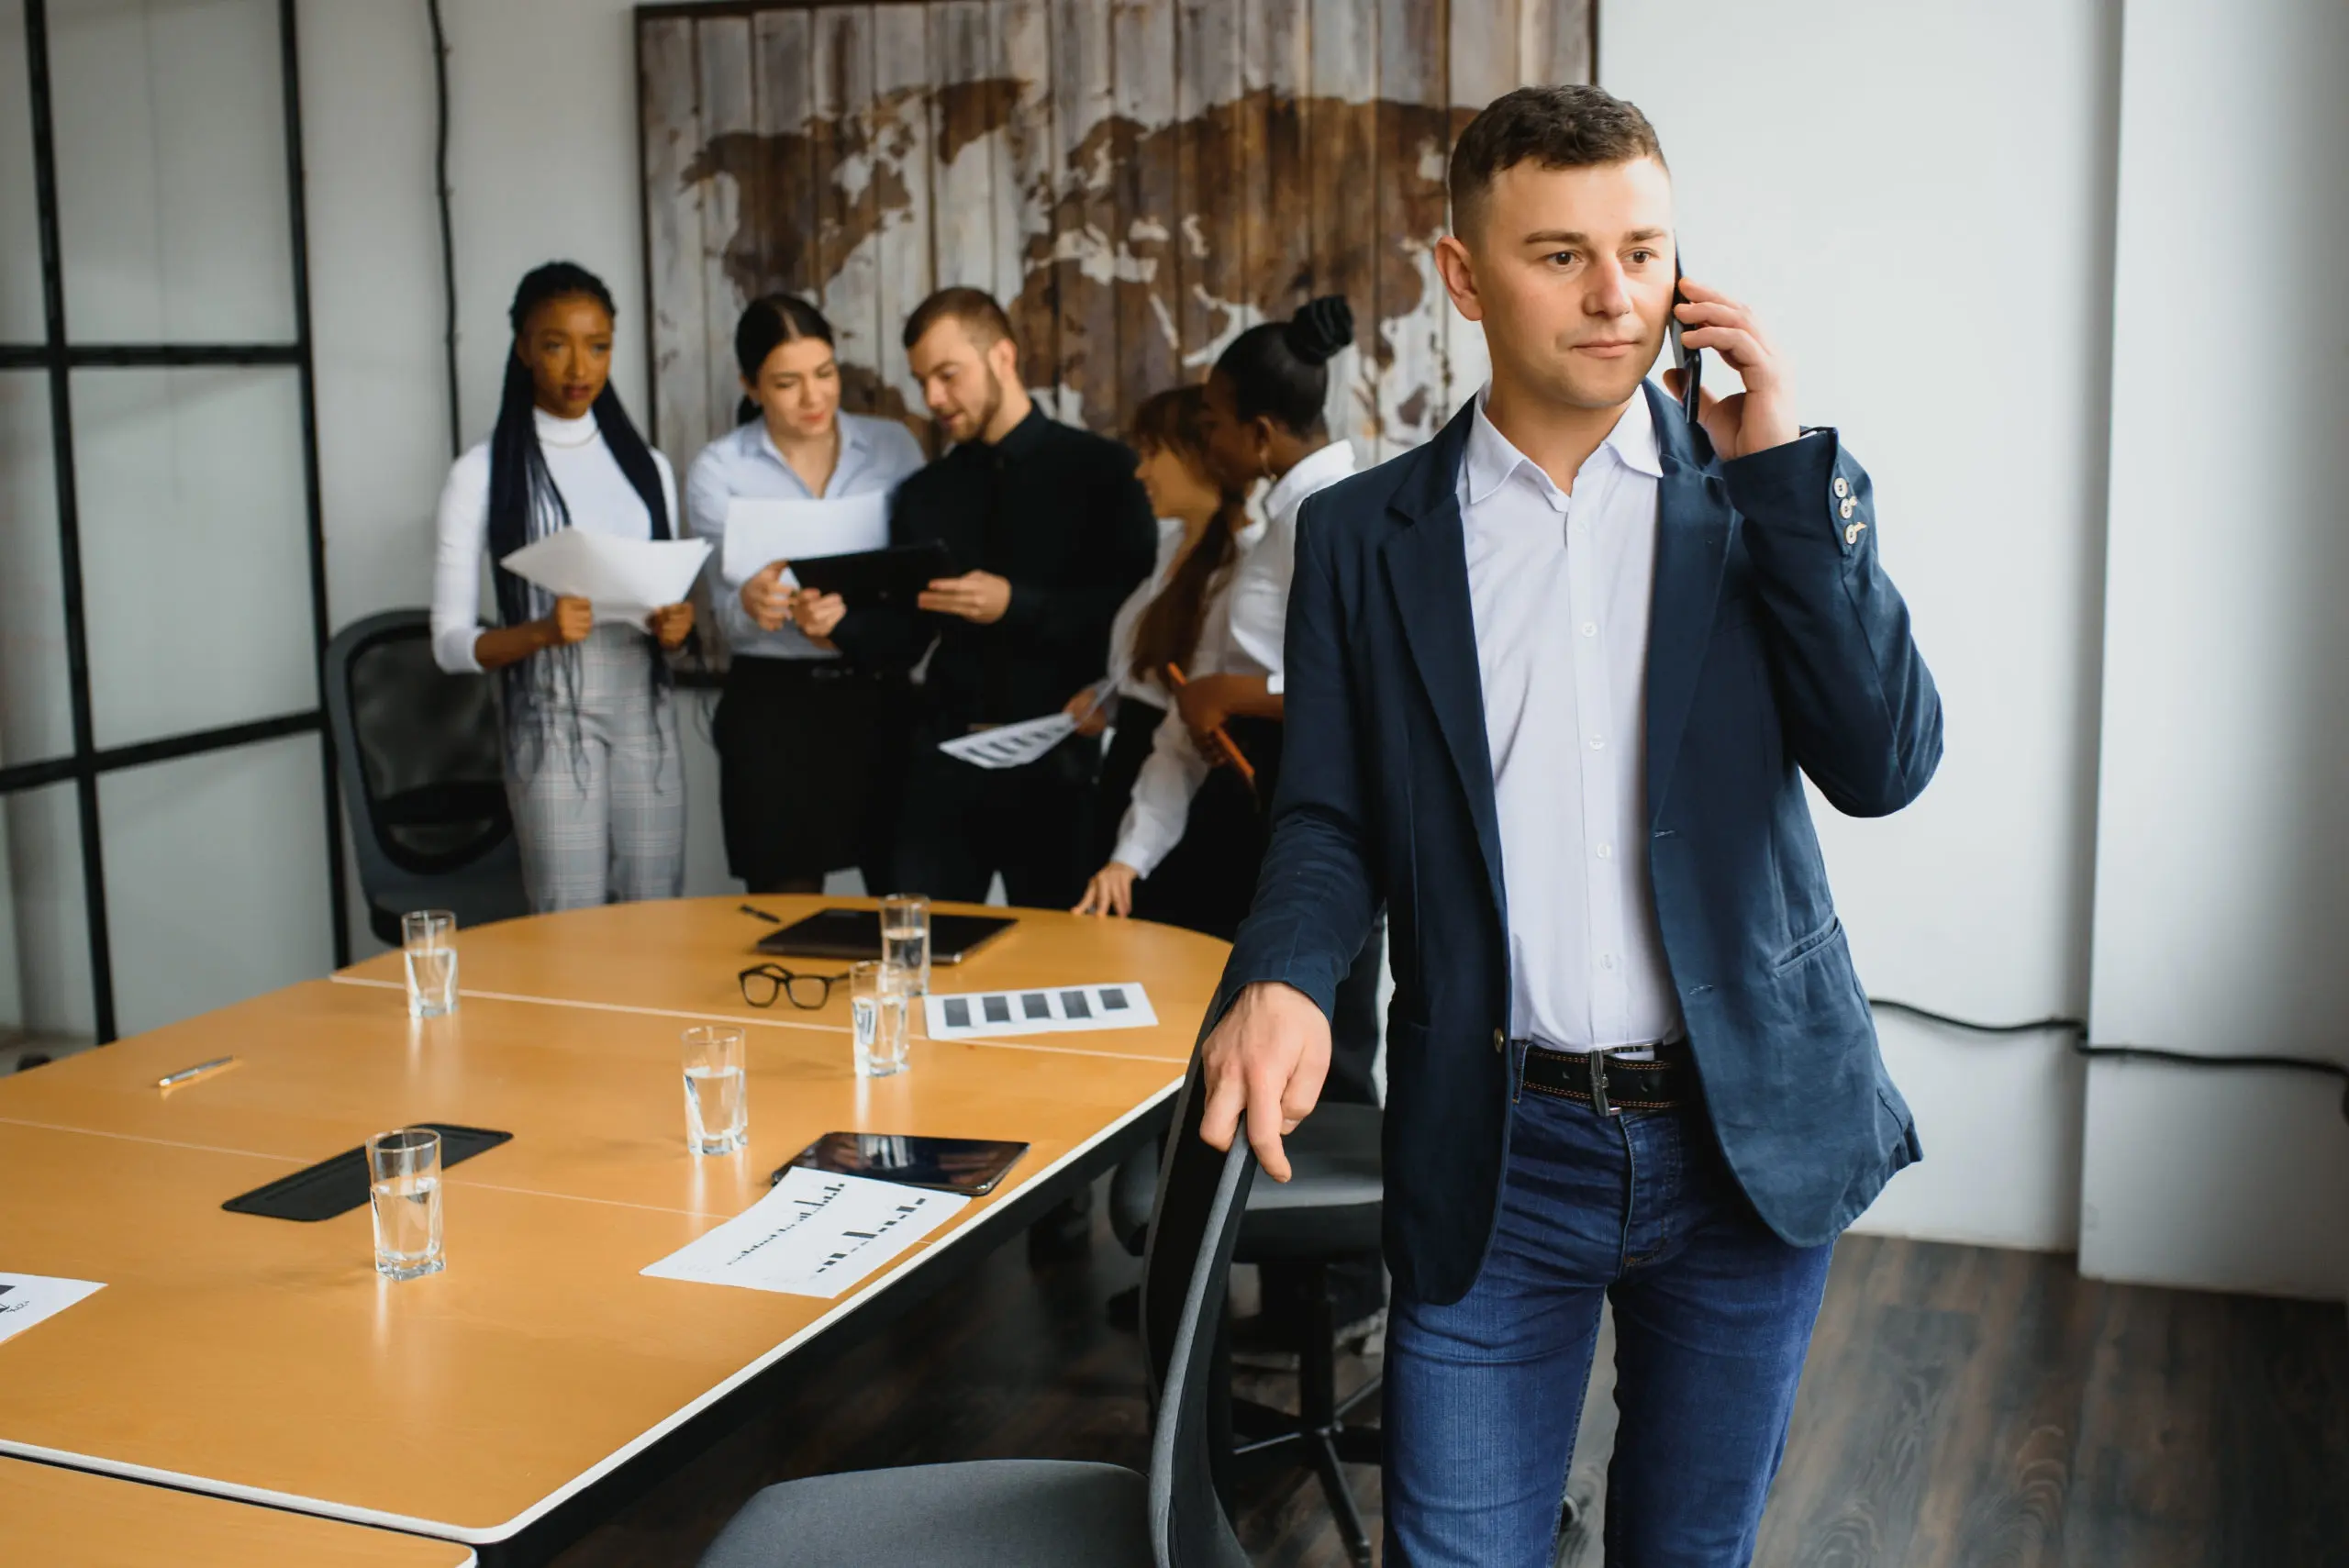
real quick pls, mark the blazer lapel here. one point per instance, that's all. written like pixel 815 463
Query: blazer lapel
pixel 1691 545
pixel 1427 570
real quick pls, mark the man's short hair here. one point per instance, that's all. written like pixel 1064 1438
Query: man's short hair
pixel 1555 128
pixel 980 315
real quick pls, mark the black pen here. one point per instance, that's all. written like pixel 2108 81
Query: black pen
pixel 761 914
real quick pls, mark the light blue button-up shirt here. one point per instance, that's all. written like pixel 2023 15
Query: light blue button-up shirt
pixel 876 454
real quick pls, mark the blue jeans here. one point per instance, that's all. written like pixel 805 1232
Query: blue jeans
pixel 1712 1319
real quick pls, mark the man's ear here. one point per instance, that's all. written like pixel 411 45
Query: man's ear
pixel 1003 358
pixel 1454 265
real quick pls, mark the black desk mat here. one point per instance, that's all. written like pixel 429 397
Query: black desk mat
pixel 338 1184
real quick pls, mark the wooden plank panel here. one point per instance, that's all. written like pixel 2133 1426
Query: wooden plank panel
pixel 669 105
pixel 1405 328
pixel 1481 59
pixel 782 83
pixel 1146 271
pixel 966 116
pixel 731 232
pixel 1554 41
pixel 1278 67
pixel 1344 174
pixel 848 264
pixel 1086 216
pixel 1024 188
pixel 1211 177
pixel 901 176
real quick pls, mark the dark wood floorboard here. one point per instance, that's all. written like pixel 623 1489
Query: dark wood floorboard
pixel 1962 1407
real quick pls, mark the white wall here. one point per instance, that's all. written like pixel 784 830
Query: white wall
pixel 1915 200
pixel 2223 869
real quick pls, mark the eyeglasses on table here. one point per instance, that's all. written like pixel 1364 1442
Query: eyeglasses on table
pixel 763 982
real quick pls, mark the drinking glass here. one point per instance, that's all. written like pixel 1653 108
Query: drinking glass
pixel 404 1192
pixel 877 1004
pixel 905 937
pixel 430 938
pixel 718 1101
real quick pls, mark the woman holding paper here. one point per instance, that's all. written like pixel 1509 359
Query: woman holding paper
pixel 810 744
pixel 593 769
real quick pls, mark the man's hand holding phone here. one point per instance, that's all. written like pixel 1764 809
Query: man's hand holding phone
pixel 1763 415
pixel 1267 1062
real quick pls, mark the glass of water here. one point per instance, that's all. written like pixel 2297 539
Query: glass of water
pixel 878 999
pixel 718 1101
pixel 430 938
pixel 905 937
pixel 404 1192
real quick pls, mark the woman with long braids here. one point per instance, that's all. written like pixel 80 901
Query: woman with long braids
pixel 810 744
pixel 1188 848
pixel 592 764
pixel 1202 530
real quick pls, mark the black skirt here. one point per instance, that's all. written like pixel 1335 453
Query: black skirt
pixel 1136 723
pixel 811 769
pixel 1206 882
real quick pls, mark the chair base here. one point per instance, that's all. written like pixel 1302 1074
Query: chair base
pixel 1320 1437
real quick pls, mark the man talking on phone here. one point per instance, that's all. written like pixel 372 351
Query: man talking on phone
pixel 1553 682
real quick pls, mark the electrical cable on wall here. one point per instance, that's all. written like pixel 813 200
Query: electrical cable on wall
pixel 2078 1029
pixel 448 233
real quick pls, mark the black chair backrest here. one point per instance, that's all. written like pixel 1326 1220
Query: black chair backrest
pixel 1202 1198
pixel 425 748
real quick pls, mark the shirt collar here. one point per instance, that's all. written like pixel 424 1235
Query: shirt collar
pixel 1019 441
pixel 851 445
pixel 1318 470
pixel 1492 457
pixel 556 431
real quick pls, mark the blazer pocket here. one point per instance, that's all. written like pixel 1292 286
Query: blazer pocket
pixel 1810 944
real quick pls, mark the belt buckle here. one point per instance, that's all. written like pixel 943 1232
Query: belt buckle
pixel 1596 1062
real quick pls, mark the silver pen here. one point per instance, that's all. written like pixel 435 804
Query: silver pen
pixel 187 1074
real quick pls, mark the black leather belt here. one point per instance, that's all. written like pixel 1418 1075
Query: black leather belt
pixel 1610 1085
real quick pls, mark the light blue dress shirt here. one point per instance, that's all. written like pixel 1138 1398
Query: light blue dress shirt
pixel 876 454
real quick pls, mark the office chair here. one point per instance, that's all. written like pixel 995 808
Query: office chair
pixel 421 754
pixel 1328 1212
pixel 1015 1513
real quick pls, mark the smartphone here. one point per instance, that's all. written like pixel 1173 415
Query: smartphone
pixel 1690 360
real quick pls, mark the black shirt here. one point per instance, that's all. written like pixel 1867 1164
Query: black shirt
pixel 1056 510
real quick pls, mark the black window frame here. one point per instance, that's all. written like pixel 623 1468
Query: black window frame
pixel 60 357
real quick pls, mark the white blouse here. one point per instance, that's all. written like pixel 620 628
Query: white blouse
pixel 593 490
pixel 1246 621
pixel 1123 682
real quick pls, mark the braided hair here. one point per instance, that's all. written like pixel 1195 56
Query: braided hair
pixel 525 504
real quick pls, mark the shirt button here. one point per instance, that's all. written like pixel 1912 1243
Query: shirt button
pixel 1606 851
pixel 1607 961
pixel 1598 743
pixel 1590 628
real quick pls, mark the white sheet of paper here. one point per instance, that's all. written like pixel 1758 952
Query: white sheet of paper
pixel 760 531
pixel 625 579
pixel 26 1299
pixel 814 1234
pixel 1011 745
pixel 1121 1004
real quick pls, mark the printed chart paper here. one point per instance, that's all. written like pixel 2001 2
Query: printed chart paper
pixel 26 1299
pixel 814 1234
pixel 625 579
pixel 1061 1009
pixel 760 531
pixel 1011 745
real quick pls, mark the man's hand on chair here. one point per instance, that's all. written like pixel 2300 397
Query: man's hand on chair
pixel 1265 1060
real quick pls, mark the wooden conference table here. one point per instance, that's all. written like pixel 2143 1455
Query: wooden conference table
pixel 50 1515
pixel 513 1400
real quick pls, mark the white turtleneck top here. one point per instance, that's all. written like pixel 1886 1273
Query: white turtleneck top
pixel 596 493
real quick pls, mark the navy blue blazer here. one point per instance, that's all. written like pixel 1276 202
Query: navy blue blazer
pixel 1776 643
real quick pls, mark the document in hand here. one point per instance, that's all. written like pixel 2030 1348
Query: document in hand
pixel 760 531
pixel 625 579
pixel 814 1234
pixel 1011 745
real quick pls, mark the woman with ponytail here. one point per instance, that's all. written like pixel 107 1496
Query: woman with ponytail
pixel 1202 530
pixel 593 765
pixel 1187 850
pixel 810 744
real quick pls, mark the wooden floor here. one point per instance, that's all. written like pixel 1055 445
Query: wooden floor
pixel 1963 1408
